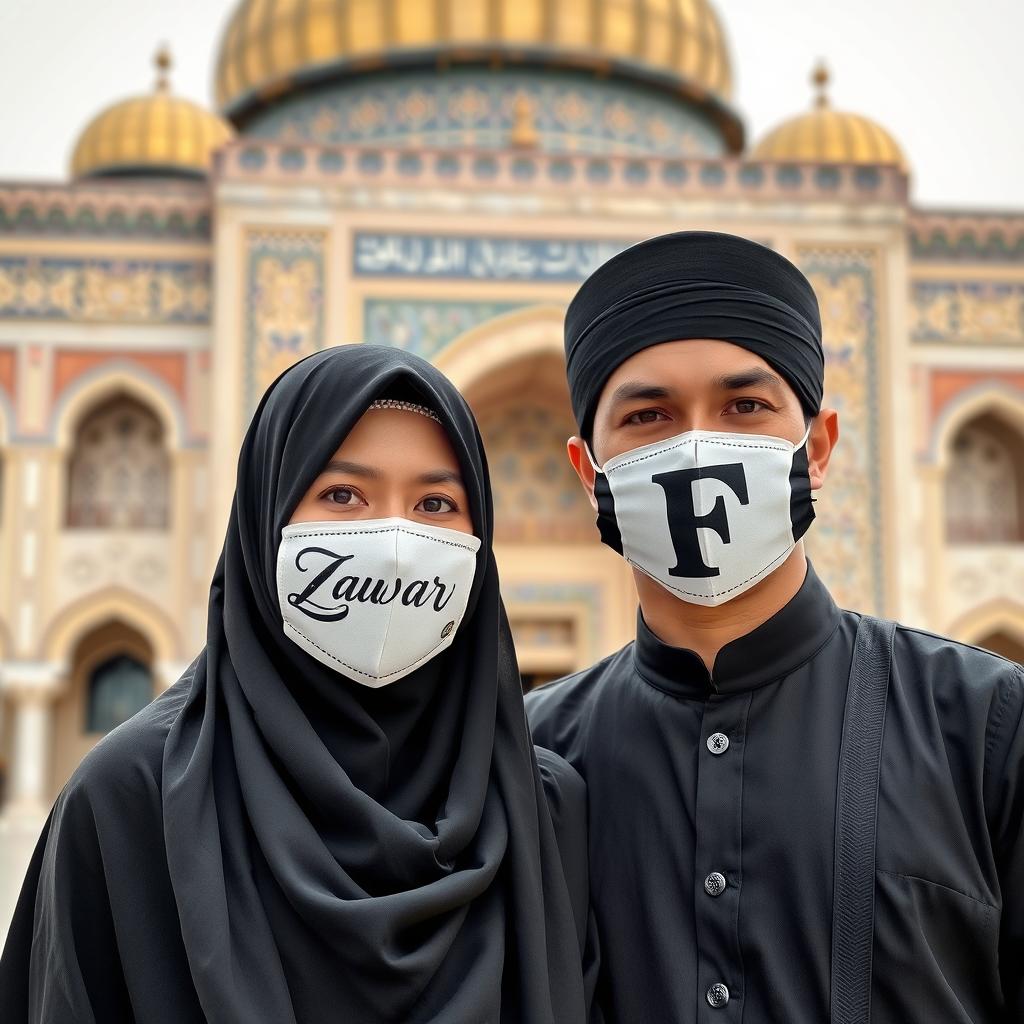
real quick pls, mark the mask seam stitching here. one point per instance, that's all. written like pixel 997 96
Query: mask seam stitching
pixel 345 664
pixel 391 615
pixel 390 529
pixel 695 593
pixel 682 444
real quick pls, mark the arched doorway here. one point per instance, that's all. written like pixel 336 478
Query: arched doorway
pixel 558 582
pixel 110 679
pixel 1003 642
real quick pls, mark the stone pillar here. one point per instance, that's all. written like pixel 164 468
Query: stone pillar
pixel 30 689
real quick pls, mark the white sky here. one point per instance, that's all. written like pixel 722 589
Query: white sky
pixel 946 79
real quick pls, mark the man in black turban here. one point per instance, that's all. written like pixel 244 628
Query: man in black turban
pixel 798 814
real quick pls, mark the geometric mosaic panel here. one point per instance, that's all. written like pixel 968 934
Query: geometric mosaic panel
pixel 105 290
pixel 967 312
pixel 426 326
pixel 284 304
pixel 845 541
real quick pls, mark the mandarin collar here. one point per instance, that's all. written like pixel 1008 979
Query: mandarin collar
pixel 772 650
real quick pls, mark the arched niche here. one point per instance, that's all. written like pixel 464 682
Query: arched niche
pixel 110 678
pixel 525 420
pixel 118 467
pixel 984 481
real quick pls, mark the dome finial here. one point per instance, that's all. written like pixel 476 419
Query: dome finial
pixel 821 78
pixel 524 131
pixel 163 62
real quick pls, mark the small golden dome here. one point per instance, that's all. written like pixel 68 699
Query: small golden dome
pixel 824 135
pixel 271 47
pixel 155 134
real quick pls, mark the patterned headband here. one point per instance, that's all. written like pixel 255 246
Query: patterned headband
pixel 394 403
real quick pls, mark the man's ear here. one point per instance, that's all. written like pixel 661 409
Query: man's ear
pixel 581 463
pixel 821 442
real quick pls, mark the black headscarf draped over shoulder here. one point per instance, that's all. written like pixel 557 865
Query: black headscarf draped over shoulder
pixel 693 284
pixel 330 852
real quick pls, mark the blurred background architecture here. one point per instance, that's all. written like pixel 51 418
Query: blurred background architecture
pixel 440 176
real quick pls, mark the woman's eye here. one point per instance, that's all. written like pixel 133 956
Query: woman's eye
pixel 344 496
pixel 645 416
pixel 435 503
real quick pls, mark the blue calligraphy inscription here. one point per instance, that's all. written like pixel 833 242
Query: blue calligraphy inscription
pixel 483 259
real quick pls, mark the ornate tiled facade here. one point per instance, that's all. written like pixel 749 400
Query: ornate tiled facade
pixel 450 204
pixel 844 542
pixel 426 326
pixel 568 112
pixel 104 290
pixel 284 301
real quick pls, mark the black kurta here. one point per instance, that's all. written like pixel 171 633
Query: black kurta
pixel 108 939
pixel 712 816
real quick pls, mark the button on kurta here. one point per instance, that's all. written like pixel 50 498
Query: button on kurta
pixel 718 743
pixel 714 884
pixel 718 995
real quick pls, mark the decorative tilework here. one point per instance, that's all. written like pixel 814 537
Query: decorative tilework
pixel 947 237
pixel 104 290
pixel 845 542
pixel 537 497
pixel 569 112
pixel 967 312
pixel 284 300
pixel 175 213
pixel 475 258
pixel 426 326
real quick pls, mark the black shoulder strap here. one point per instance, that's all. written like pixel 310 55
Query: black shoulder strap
pixel 853 910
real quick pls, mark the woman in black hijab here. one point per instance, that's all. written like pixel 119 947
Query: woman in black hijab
pixel 280 837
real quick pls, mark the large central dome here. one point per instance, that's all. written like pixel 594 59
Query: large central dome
pixel 273 48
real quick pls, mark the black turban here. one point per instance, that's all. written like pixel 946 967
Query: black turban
pixel 693 284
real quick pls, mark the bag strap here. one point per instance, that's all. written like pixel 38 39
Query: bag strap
pixel 853 908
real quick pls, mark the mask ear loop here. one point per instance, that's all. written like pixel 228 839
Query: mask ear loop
pixel 596 467
pixel 807 434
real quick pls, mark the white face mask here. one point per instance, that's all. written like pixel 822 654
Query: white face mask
pixel 374 599
pixel 707 515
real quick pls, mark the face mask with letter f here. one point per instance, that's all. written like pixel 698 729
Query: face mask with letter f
pixel 707 515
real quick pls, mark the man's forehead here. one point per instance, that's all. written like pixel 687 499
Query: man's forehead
pixel 699 363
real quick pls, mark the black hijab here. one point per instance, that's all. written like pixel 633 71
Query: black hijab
pixel 330 852
pixel 351 854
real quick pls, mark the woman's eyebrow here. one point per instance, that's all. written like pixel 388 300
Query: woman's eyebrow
pixel 352 468
pixel 440 476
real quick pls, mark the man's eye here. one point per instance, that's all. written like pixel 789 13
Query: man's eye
pixel 645 416
pixel 746 406
pixel 435 503
pixel 344 496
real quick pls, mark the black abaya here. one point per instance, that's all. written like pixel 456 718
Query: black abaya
pixel 270 842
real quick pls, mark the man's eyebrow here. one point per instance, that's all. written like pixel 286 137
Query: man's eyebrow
pixel 753 378
pixel 440 476
pixel 636 389
pixel 352 469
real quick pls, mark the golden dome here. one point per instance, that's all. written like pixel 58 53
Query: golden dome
pixel 824 135
pixel 155 134
pixel 272 47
